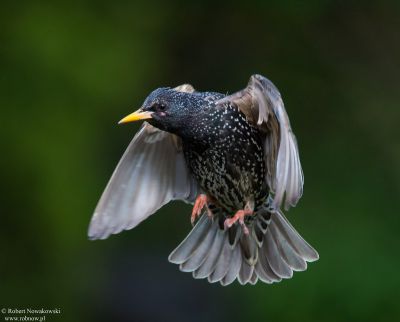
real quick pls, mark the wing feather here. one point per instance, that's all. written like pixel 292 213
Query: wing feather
pixel 262 104
pixel 151 173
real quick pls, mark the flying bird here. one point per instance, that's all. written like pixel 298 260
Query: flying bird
pixel 236 159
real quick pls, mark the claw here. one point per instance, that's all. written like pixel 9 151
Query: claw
pixel 239 216
pixel 199 204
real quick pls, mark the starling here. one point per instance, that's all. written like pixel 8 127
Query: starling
pixel 236 158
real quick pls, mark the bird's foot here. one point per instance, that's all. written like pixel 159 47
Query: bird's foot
pixel 199 204
pixel 239 217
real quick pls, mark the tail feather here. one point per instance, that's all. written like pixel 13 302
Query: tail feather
pixel 267 270
pixel 234 267
pixel 301 247
pixel 262 275
pixel 191 242
pixel 207 267
pixel 246 272
pixel 289 255
pixel 200 253
pixel 234 235
pixel 270 253
pixel 222 265
pixel 249 249
pixel 254 278
pixel 274 258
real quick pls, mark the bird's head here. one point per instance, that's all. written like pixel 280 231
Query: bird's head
pixel 165 108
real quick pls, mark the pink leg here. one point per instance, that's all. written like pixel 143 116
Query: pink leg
pixel 239 216
pixel 199 204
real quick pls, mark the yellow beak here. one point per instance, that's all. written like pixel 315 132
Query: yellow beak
pixel 136 116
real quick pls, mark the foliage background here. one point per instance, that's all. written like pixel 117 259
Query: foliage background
pixel 70 70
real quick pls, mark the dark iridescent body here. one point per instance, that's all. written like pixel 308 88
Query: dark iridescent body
pixel 225 154
pixel 236 156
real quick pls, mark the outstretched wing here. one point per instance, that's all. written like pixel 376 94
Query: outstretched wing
pixel 151 173
pixel 262 104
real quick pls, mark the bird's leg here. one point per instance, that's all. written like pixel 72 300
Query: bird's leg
pixel 239 216
pixel 199 204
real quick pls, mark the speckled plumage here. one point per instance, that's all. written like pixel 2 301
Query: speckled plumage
pixel 225 154
pixel 239 151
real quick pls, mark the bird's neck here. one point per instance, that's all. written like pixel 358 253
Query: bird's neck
pixel 195 129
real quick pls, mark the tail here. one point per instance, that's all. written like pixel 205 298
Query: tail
pixel 271 252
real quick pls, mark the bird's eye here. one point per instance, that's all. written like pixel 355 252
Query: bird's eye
pixel 159 107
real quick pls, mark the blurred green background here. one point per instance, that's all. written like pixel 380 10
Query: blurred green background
pixel 70 70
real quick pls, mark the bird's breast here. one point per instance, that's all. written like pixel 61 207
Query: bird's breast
pixel 226 156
